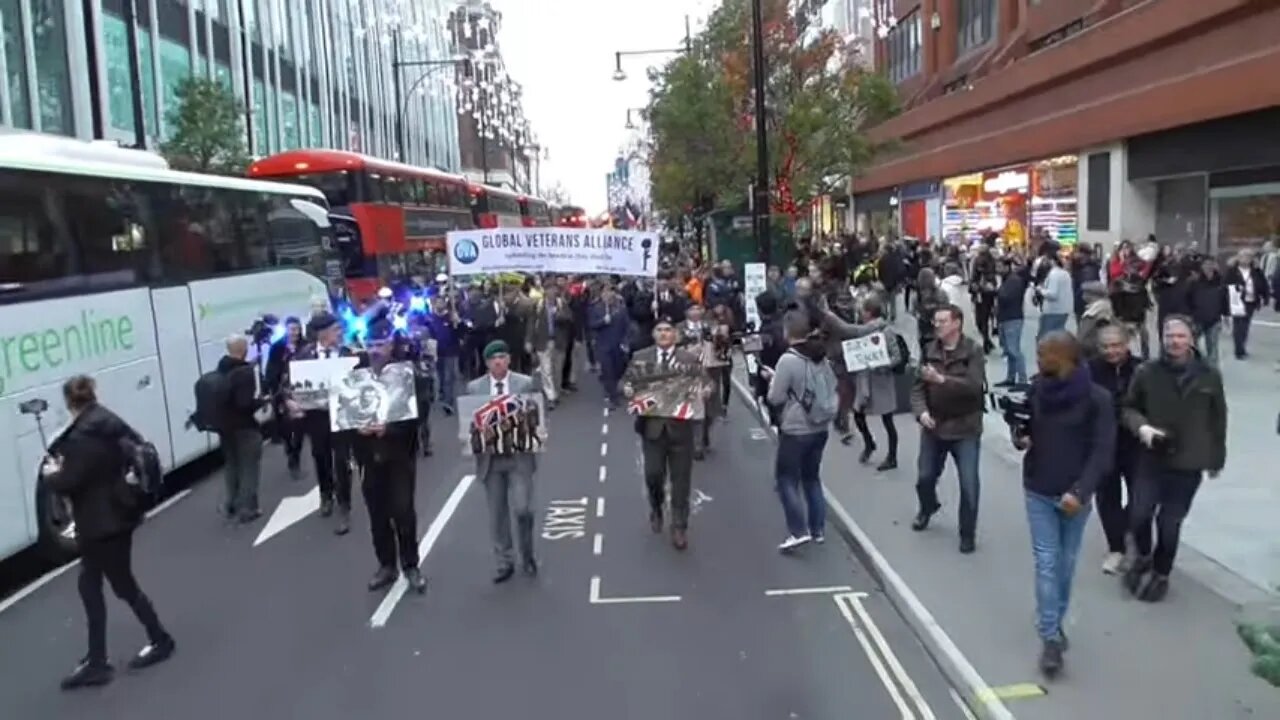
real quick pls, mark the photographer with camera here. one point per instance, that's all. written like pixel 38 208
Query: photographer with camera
pixel 1177 408
pixel 1069 439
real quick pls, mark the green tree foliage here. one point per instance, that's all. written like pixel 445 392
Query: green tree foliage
pixel 208 136
pixel 818 107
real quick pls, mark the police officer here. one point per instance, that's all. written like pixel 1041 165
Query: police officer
pixel 331 451
pixel 386 454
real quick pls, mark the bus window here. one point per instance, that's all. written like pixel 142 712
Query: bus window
pixel 32 252
pixel 338 187
pixel 296 239
pixel 109 226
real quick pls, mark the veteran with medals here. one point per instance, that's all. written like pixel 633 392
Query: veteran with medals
pixel 666 388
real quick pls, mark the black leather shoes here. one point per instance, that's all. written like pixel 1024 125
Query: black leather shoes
pixel 344 521
pixel 417 583
pixel 88 674
pixel 382 579
pixel 531 567
pixel 504 574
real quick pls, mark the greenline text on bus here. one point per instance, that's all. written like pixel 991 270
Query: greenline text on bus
pixel 66 345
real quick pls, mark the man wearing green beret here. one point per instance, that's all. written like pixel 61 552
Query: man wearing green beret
pixel 507 479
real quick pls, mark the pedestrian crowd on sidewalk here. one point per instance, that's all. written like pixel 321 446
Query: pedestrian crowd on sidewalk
pixel 1105 419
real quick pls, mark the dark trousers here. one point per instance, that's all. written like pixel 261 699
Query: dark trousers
pixel 1240 331
pixel 388 490
pixel 982 311
pixel 668 454
pixel 291 433
pixel 332 454
pixel 613 362
pixel 566 374
pixel 933 458
pixel 890 429
pixel 1165 496
pixel 844 403
pixel 242 453
pixel 112 558
pixel 1113 512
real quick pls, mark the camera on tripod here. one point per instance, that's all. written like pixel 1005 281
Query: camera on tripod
pixel 262 329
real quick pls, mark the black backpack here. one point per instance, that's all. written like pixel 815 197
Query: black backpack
pixel 143 474
pixel 904 354
pixel 212 391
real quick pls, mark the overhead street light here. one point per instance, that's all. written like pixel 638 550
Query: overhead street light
pixel 620 75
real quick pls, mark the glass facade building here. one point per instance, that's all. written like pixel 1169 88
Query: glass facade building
pixel 320 71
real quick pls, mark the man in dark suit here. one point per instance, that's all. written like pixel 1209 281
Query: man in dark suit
pixel 331 451
pixel 667 439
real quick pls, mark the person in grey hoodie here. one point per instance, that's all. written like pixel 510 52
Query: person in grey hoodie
pixel 1057 298
pixel 804 387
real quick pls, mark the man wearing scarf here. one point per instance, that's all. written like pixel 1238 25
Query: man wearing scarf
pixel 1070 445
pixel 1178 410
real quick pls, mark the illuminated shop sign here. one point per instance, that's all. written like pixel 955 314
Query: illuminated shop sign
pixel 1009 181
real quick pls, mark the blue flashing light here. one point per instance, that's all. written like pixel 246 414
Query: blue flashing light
pixel 400 322
pixel 417 303
pixel 278 333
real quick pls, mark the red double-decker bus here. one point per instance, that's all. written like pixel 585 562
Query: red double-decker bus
pixel 401 213
pixel 535 212
pixel 493 207
pixel 572 216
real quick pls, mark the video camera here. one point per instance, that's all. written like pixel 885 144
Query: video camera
pixel 262 329
pixel 1014 404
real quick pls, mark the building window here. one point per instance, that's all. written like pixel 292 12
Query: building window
pixel 904 48
pixel 15 59
pixel 175 66
pixel 292 132
pixel 977 22
pixel 1098 207
pixel 119 86
pixel 49 34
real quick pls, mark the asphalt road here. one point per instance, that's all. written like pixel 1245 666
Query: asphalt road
pixel 620 627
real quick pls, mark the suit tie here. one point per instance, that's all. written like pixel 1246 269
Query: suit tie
pixel 500 386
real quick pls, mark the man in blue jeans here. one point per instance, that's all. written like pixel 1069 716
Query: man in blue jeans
pixel 804 388
pixel 947 400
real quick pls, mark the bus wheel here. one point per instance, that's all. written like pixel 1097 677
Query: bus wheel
pixel 57 531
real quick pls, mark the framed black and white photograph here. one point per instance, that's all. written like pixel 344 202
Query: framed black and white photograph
pixel 363 399
pixel 309 380
pixel 502 425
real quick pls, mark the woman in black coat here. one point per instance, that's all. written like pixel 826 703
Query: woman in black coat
pixel 87 465
pixel 1247 283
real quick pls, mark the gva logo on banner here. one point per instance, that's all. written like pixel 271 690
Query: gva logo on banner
pixel 466 252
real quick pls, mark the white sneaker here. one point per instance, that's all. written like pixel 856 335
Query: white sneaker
pixel 1113 563
pixel 792 542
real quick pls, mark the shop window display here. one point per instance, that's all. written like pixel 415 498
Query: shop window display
pixel 1242 218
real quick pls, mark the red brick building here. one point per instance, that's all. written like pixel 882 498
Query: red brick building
pixel 1093 120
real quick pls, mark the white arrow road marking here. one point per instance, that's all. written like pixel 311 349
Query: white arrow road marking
pixel 291 510
pixel 698 500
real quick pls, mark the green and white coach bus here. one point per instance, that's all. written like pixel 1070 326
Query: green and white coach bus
pixel 114 265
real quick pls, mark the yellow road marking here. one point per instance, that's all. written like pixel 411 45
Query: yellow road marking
pixel 1017 691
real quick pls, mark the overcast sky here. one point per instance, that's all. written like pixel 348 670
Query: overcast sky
pixel 561 51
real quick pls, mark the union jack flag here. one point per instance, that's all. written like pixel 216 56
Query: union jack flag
pixel 683 411
pixel 497 410
pixel 642 405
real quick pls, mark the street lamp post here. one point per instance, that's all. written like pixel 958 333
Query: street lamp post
pixel 760 193
pixel 396 66
pixel 619 74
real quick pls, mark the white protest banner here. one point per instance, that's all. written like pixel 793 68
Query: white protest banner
pixel 754 282
pixel 868 352
pixel 574 251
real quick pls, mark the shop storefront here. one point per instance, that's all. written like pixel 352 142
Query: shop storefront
pixel 920 210
pixel 1216 184
pixel 876 213
pixel 1025 204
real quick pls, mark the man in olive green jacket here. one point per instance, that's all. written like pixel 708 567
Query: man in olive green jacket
pixel 1177 408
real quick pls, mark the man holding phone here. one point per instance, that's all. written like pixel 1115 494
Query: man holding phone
pixel 947 400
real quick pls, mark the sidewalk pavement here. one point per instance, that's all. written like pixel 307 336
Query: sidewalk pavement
pixel 1177 659
pixel 1232 524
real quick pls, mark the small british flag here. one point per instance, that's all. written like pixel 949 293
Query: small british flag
pixel 642 405
pixel 496 410
pixel 683 411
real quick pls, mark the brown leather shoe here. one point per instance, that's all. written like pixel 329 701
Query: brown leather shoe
pixel 655 521
pixel 679 538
